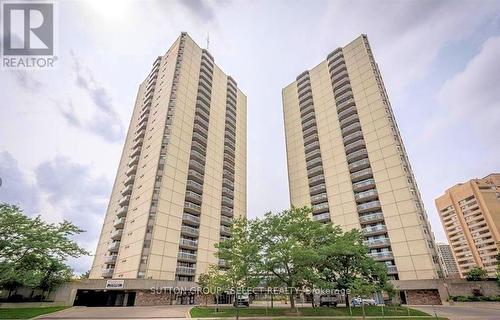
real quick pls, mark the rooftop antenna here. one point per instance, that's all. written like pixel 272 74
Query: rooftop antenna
pixel 208 40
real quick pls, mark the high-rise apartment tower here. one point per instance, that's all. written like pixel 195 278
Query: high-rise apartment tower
pixel 182 174
pixel 470 213
pixel 450 269
pixel 346 159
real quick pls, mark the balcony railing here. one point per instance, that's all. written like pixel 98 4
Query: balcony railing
pixel 361 175
pixel 194 186
pixel 227 211
pixel 351 128
pixel 314 171
pixel 363 185
pixel 369 206
pixel 372 217
pixel 386 255
pixel 317 189
pixel 124 201
pixel 316 180
pixel 353 137
pixel 376 243
pixel 357 155
pixel 354 146
pixel 110 259
pixel 116 234
pixel 312 163
pixel 193 196
pixel 190 231
pixel 225 230
pixel 184 256
pixel 359 165
pixel 195 176
pixel 392 269
pixel 345 104
pixel 321 217
pixel 311 146
pixel 108 273
pixel 318 208
pixel 129 180
pixel 122 212
pixel 190 219
pixel 114 246
pixel 119 223
pixel 226 220
pixel 133 160
pixel 319 198
pixel 193 164
pixel 127 190
pixel 366 195
pixel 186 271
pixel 374 230
pixel 187 243
pixel 347 112
pixel 132 170
pixel 227 183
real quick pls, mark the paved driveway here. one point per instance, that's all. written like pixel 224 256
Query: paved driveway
pixel 156 312
pixel 464 312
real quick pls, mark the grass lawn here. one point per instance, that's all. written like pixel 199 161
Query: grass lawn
pixel 26 313
pixel 202 312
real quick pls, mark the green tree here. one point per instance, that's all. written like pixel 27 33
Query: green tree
pixel 55 274
pixel 362 288
pixel 287 246
pixel 476 274
pixel 240 255
pixel 85 275
pixel 30 247
pixel 343 260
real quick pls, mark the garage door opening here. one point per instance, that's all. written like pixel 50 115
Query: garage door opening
pixel 104 298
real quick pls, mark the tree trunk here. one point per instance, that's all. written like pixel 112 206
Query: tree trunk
pixel 312 300
pixel 347 302
pixel 292 301
pixel 237 306
pixel 272 301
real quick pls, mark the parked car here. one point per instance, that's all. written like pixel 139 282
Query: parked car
pixel 328 301
pixel 243 300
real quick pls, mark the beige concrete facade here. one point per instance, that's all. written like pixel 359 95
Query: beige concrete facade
pixel 182 174
pixel 346 159
pixel 470 214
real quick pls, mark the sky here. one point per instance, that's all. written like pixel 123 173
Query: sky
pixel 62 131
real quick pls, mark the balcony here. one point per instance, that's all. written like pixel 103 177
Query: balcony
pixel 355 146
pixel 353 137
pixel 225 230
pixel 199 138
pixel 141 127
pixel 315 171
pixel 323 217
pixel 124 201
pixel 194 197
pixel 187 243
pixel 313 163
pixel 191 219
pixel 317 189
pixel 116 234
pixel 369 206
pixel 188 271
pixel 114 246
pixel 196 155
pixel 313 154
pixel 377 243
pixel 226 220
pixel 119 223
pixel 337 66
pixel 228 212
pixel 194 186
pixel 133 161
pixel 380 256
pixel 195 176
pixel 340 86
pixel 311 146
pixel 108 273
pixel 357 155
pixel 345 95
pixel 366 195
pixel 199 148
pixel 363 185
pixel 378 229
pixel 227 192
pixel 190 231
pixel 199 129
pixel 227 183
pixel 392 269
pixel 306 109
pixel 351 129
pixel 308 132
pixel 122 212
pixel 347 112
pixel 137 143
pixel 345 104
pixel 184 256
pixel 316 180
pixel 359 165
pixel 110 259
pixel 319 208
pixel 229 158
pixel 361 175
pixel 309 123
pixel 132 170
pixel 129 180
pixel 337 76
pixel 372 217
pixel 310 139
pixel 195 165
pixel 127 190
pixel 319 198
pixel 227 201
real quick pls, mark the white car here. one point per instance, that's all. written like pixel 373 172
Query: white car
pixel 367 302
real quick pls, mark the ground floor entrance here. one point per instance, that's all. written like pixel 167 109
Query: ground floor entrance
pixel 104 298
